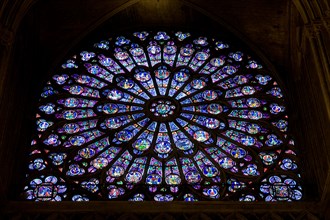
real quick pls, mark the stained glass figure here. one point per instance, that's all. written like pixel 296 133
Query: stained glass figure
pixel 162 116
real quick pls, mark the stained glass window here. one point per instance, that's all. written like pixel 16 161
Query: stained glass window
pixel 159 116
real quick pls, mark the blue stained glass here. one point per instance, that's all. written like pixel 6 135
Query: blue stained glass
pixel 218 75
pixel 110 108
pixel 217 62
pixel 184 144
pixel 139 55
pixel 77 140
pixel 74 114
pixel 37 164
pixel 113 123
pixel 158 116
pixel 99 72
pixel 220 45
pixel 202 56
pixel 182 76
pixel 142 144
pixel 181 36
pixel 48 91
pixel 142 76
pixel 169 53
pixel 163 198
pixel 229 69
pixel 83 91
pixel 122 40
pixel 48 109
pixel 209 95
pixel 253 65
pixel 153 179
pixel 268 158
pixel 226 163
pixel 85 56
pixel 162 36
pixel 102 45
pixel 184 55
pixel 212 192
pixel 247 198
pixel 188 108
pixel 43 124
pixel 60 79
pixel 126 84
pixel 115 192
pixel 86 153
pixel 154 52
pixel 52 140
pixel 79 198
pixel 244 139
pixel 141 35
pixel 115 94
pixel 173 126
pixel 186 51
pixel 124 135
pixel 238 152
pixel 272 140
pixel 57 158
pixel 135 172
pixel 90 81
pixel 124 59
pixel 211 123
pixel 198 84
pixel 155 167
pixel 173 179
pixel 238 56
pixel 214 108
pixel 75 170
pixel 263 80
pixel 201 41
pixel 103 159
pixel 201 136
pixel 69 64
pixel 137 198
pixel 199 59
pixel 162 73
pixel 281 124
pixel 276 91
pixel 193 177
pixel 163 147
pixel 275 108
pixel 288 164
pixel 189 198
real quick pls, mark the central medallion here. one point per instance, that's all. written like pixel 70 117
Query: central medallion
pixel 162 109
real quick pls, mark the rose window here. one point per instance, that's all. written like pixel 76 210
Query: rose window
pixel 163 117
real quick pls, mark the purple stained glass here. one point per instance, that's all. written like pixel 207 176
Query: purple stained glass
pixel 168 116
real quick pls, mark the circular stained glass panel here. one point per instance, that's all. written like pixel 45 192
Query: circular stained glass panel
pixel 163 116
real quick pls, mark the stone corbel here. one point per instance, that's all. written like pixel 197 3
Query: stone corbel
pixel 6 36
